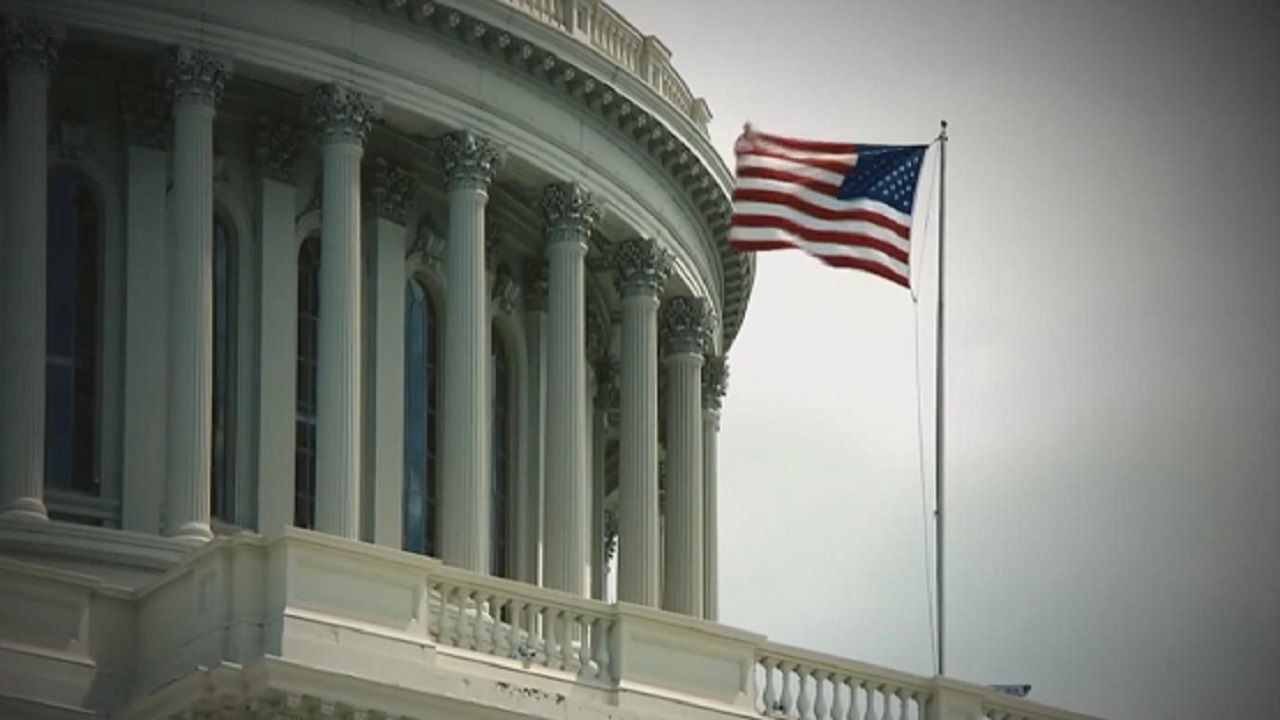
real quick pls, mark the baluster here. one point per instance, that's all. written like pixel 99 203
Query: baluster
pixel 760 679
pixel 497 628
pixel 868 690
pixel 789 688
pixel 551 635
pixel 455 610
pixel 804 697
pixel 772 691
pixel 564 638
pixel 821 704
pixel 476 636
pixel 839 703
pixel 583 625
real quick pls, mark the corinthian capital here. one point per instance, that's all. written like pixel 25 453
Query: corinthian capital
pixel 715 380
pixel 32 44
pixel 276 146
pixel 570 211
pixel 391 190
pixel 470 160
pixel 643 267
pixel 341 115
pixel 192 75
pixel 687 324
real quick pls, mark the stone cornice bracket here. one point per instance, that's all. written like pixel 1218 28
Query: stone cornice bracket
pixel 341 115
pixel 643 267
pixel 32 45
pixel 469 161
pixel 429 245
pixel 687 324
pixel 193 75
pixel 715 381
pixel 570 212
pixel 145 114
pixel 535 273
pixel 276 146
pixel 505 293
pixel 391 190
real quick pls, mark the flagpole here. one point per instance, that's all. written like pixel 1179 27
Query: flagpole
pixel 939 415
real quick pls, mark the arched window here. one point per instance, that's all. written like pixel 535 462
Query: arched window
pixel 304 480
pixel 73 316
pixel 221 481
pixel 420 417
pixel 499 466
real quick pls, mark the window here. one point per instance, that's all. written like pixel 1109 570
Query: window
pixel 72 318
pixel 304 481
pixel 499 485
pixel 420 416
pixel 221 486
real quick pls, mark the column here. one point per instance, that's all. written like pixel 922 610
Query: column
pixel 31 51
pixel 603 399
pixel 643 268
pixel 470 163
pixel 570 213
pixel 529 522
pixel 391 195
pixel 715 378
pixel 195 79
pixel 687 325
pixel 276 145
pixel 145 114
pixel 342 117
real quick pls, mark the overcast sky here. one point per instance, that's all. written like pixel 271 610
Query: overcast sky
pixel 1113 351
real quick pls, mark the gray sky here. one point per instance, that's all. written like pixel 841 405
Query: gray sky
pixel 1113 346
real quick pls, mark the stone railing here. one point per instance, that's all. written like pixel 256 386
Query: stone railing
pixel 604 29
pixel 803 685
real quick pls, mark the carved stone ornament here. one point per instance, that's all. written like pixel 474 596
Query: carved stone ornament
pixel 715 381
pixel 687 324
pixel 341 115
pixel 145 114
pixel 570 211
pixel 193 75
pixel 610 533
pixel 391 190
pixel 470 161
pixel 32 45
pixel 276 146
pixel 535 273
pixel 505 293
pixel 643 267
pixel 428 245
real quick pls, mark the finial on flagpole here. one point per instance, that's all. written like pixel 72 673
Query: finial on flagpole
pixel 943 135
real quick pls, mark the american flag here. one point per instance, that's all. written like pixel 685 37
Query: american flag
pixel 848 204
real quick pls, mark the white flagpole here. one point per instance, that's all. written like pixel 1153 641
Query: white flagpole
pixel 939 415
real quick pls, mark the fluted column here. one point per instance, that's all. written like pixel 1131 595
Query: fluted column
pixel 687 326
pixel 195 79
pixel 643 268
pixel 30 51
pixel 341 117
pixel 470 163
pixel 570 214
pixel 715 378
pixel 603 400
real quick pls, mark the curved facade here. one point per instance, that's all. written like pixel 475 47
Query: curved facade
pixel 366 346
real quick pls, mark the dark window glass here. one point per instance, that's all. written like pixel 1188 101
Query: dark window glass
pixel 71 350
pixel 304 481
pixel 221 486
pixel 499 486
pixel 420 421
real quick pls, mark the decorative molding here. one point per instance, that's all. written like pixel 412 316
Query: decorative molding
pixel 391 189
pixel 535 274
pixel 715 381
pixel 687 324
pixel 505 292
pixel 276 146
pixel 429 246
pixel 146 115
pixel 194 76
pixel 340 114
pixel 32 45
pixel 642 267
pixel 469 161
pixel 570 211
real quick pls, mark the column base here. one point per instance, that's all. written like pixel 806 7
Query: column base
pixel 192 532
pixel 26 507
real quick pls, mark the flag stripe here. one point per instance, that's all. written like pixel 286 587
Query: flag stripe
pixel 853 234
pixel 808 145
pixel 820 211
pixel 817 180
pixel 835 165
pixel 761 239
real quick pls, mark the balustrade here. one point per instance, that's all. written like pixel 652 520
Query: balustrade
pixel 789 686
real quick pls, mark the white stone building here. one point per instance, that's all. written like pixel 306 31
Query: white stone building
pixel 343 342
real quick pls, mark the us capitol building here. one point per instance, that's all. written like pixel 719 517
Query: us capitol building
pixel 364 360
